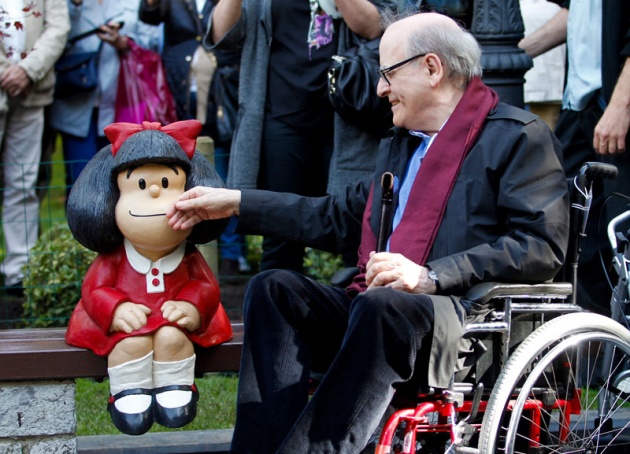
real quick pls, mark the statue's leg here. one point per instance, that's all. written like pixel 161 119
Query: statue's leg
pixel 131 385
pixel 176 395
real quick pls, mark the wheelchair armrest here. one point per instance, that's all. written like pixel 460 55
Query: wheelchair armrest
pixel 484 292
pixel 344 277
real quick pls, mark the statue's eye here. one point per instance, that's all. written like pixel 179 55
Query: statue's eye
pixel 165 182
pixel 142 184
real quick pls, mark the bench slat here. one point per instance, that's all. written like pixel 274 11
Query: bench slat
pixel 42 354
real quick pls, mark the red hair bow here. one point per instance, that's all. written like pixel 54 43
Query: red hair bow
pixel 184 132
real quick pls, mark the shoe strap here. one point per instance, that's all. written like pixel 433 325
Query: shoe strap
pixel 132 392
pixel 164 389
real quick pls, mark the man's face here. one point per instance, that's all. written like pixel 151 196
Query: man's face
pixel 408 90
pixel 146 192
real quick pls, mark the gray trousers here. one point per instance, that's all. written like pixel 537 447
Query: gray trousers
pixel 21 131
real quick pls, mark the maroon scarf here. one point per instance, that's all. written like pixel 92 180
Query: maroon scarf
pixel 432 187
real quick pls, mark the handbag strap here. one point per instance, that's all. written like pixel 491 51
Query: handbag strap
pixel 91 32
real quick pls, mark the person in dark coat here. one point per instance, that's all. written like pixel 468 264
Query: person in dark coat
pixel 479 195
pixel 196 77
pixel 594 122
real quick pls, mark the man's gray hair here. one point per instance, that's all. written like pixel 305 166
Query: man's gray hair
pixel 459 51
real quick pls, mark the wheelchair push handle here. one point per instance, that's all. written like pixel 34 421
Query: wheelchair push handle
pixel 612 228
pixel 581 193
pixel 598 170
pixel 583 182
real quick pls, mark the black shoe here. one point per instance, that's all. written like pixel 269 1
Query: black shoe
pixel 16 290
pixel 131 423
pixel 178 416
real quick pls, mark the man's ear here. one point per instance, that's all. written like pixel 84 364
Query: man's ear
pixel 435 68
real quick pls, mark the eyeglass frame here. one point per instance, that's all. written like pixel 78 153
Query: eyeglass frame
pixel 383 71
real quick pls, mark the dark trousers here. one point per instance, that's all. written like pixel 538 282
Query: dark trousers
pixel 292 160
pixel 575 130
pixel 77 151
pixel 295 325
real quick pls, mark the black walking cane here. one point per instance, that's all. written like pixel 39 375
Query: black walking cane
pixel 387 187
pixel 343 277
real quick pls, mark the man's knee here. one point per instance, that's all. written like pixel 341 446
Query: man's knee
pixel 269 282
pixel 393 307
pixel 270 287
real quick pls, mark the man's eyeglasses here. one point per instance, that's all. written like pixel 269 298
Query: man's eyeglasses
pixel 382 71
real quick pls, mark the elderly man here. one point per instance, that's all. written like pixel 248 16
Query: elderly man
pixel 479 194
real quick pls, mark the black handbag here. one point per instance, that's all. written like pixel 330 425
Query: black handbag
pixel 76 73
pixel 352 80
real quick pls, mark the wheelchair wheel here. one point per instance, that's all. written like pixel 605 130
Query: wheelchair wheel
pixel 566 388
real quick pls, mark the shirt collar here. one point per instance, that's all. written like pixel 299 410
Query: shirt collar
pixel 143 265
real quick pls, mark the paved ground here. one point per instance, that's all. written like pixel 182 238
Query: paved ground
pixel 10 311
pixel 232 297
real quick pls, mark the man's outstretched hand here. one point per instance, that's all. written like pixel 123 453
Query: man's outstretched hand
pixel 203 204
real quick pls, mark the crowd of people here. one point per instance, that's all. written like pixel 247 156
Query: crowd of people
pixel 34 114
pixel 299 175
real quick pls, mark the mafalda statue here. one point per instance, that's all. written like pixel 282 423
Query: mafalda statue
pixel 149 295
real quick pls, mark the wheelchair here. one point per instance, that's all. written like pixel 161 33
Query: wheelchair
pixel 554 378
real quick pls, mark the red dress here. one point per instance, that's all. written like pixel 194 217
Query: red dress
pixel 111 280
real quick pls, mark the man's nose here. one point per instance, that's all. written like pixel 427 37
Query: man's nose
pixel 154 190
pixel 382 88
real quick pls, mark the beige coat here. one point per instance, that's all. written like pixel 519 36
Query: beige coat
pixel 46 35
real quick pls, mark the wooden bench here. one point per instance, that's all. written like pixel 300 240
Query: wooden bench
pixel 37 370
pixel 42 354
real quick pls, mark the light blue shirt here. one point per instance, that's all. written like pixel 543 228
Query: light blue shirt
pixel 584 47
pixel 410 175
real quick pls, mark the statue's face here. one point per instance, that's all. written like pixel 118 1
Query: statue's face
pixel 146 193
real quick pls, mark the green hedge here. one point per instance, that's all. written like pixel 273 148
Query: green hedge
pixel 53 277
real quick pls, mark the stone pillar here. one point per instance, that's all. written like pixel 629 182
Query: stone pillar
pixel 205 145
pixel 498 27
pixel 38 418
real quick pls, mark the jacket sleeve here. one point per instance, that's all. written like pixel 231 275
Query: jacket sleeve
pixel 99 294
pixel 329 223
pixel 50 44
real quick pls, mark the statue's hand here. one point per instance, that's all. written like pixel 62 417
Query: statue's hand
pixel 183 313
pixel 129 317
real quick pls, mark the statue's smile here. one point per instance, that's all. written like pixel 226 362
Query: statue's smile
pixel 146 215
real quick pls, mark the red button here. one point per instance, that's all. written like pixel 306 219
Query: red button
pixel 156 282
pixel 155 271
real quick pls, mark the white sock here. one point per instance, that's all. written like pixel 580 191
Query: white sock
pixel 174 373
pixel 130 375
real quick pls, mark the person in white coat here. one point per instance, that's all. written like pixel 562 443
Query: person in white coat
pixel 34 34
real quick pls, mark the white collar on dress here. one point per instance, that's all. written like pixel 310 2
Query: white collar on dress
pixel 166 264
